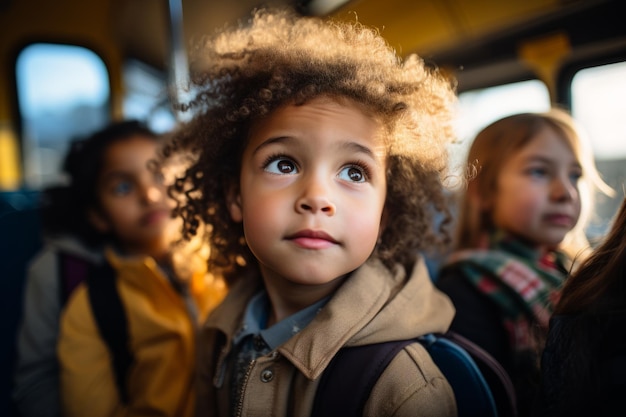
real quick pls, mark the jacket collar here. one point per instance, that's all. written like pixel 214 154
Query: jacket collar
pixel 373 305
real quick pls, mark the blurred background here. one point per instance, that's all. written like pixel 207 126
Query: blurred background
pixel 68 67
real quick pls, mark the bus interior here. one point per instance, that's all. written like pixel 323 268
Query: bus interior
pixel 68 67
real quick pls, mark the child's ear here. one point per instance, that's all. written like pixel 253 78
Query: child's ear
pixel 233 200
pixel 98 221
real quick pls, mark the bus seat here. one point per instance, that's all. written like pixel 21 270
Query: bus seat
pixel 18 200
pixel 20 239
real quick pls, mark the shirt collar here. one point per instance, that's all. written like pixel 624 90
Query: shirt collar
pixel 255 320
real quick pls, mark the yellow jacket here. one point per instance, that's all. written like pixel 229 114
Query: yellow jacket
pixel 162 335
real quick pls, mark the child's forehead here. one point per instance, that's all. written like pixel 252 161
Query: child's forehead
pixel 333 100
pixel 322 109
pixel 334 104
pixel 558 133
pixel 133 153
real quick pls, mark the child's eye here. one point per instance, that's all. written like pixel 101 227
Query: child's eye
pixel 122 188
pixel 353 173
pixel 281 166
pixel 538 172
pixel 575 176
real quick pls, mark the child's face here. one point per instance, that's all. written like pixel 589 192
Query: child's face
pixel 133 204
pixel 537 194
pixel 312 191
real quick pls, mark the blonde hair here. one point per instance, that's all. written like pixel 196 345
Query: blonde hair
pixel 494 146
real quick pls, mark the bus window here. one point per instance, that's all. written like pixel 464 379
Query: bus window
pixel 598 104
pixel 63 93
pixel 146 96
pixel 478 108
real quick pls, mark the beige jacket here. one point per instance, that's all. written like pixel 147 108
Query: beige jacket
pixel 372 306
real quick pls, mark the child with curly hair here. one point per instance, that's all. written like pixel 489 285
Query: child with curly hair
pixel 319 162
pixel 116 210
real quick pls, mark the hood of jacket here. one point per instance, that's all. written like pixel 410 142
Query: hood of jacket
pixel 373 305
pixel 73 246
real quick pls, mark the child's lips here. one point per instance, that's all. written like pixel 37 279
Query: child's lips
pixel 309 239
pixel 560 219
pixel 155 216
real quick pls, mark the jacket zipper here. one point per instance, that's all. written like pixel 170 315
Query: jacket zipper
pixel 243 388
pixel 218 379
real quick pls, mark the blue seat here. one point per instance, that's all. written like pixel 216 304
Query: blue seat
pixel 20 239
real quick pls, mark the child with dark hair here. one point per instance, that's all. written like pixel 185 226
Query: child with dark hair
pixel 65 208
pixel 68 231
pixel 584 362
pixel 114 211
pixel 319 157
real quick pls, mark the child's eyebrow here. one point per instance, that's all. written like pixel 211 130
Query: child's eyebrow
pixel 358 148
pixel 270 141
pixel 349 145
pixel 115 175
pixel 548 160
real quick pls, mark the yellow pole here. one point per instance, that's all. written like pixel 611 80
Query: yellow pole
pixel 545 55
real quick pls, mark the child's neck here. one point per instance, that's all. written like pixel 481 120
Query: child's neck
pixel 541 249
pixel 159 252
pixel 286 300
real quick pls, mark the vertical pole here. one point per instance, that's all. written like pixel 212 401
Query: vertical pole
pixel 179 66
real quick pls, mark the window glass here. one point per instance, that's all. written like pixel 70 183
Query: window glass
pixel 63 93
pixel 598 105
pixel 478 108
pixel 146 96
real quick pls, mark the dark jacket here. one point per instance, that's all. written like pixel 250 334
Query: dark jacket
pixel 478 319
pixel 584 366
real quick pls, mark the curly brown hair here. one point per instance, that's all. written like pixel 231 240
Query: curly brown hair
pixel 278 58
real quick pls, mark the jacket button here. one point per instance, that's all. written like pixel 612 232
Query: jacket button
pixel 267 375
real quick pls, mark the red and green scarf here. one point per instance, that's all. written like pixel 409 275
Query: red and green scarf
pixel 523 283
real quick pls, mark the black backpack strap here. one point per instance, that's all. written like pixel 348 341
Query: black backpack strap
pixel 471 391
pixel 495 375
pixel 350 377
pixel 71 270
pixel 110 317
pixel 347 383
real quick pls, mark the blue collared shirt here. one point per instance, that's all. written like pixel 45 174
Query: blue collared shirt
pixel 253 339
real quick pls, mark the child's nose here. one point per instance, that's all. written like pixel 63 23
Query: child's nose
pixel 152 193
pixel 563 189
pixel 315 198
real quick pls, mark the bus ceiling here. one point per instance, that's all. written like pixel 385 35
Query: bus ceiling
pixel 457 34
pixel 480 42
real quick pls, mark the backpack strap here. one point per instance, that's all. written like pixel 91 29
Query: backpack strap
pixel 350 377
pixel 471 391
pixel 110 317
pixel 346 383
pixel 496 376
pixel 72 270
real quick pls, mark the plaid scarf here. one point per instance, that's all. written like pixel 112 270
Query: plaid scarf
pixel 522 284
